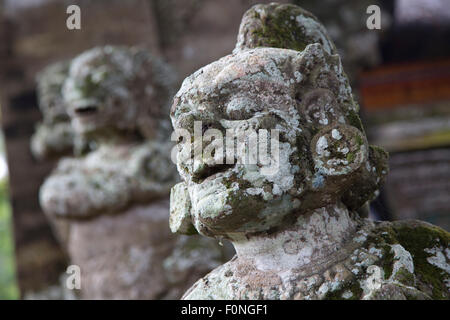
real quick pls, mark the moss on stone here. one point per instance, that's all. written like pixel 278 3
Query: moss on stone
pixel 415 238
pixel 404 276
pixel 355 120
pixel 350 157
pixel 279 28
pixel 384 237
pixel 89 87
pixel 353 286
pixel 280 35
pixel 359 140
pixel 387 261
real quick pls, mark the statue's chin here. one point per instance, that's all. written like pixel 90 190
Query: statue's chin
pixel 89 125
pixel 227 220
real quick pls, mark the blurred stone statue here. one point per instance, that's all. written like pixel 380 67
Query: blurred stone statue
pixel 296 230
pixel 54 136
pixel 115 198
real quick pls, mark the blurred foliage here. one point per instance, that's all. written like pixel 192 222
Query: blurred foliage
pixel 8 288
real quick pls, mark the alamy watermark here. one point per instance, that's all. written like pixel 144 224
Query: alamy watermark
pixel 73 21
pixel 73 280
pixel 239 146
pixel 374 20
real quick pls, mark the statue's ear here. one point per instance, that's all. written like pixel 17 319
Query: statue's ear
pixel 347 166
pixel 339 152
pixel 180 220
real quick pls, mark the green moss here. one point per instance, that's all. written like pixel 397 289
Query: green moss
pixel 8 285
pixel 88 87
pixel 351 285
pixel 233 178
pixel 411 296
pixel 227 183
pixel 350 157
pixel 359 140
pixel 384 237
pixel 387 261
pixel 405 277
pixel 279 30
pixel 355 120
pixel 379 158
pixel 191 231
pixel 415 238
pixel 378 150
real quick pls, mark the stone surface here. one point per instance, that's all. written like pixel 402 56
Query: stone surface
pixel 281 26
pixel 402 260
pixel 296 230
pixel 115 198
pixel 187 33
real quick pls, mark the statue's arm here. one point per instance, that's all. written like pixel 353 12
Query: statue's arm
pixel 73 191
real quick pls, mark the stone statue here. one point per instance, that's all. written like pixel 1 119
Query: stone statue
pixel 115 198
pixel 358 46
pixel 296 230
pixel 54 136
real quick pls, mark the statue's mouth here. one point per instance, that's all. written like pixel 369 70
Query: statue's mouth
pixel 85 111
pixel 210 172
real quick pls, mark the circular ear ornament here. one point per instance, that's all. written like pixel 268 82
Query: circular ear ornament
pixel 339 150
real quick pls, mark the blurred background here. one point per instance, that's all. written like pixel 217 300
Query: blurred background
pixel 400 75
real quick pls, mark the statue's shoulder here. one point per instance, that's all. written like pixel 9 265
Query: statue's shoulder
pixel 427 248
pixel 423 233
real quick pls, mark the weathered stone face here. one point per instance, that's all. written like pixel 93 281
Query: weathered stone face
pixel 116 88
pixel 54 135
pixel 322 147
pixel 107 105
pixel 49 87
